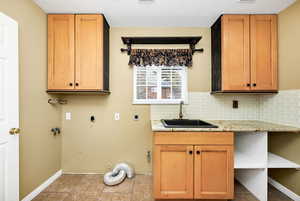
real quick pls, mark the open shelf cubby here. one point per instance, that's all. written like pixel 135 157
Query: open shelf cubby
pixel 252 161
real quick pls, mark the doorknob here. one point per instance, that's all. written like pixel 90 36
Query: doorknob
pixel 14 131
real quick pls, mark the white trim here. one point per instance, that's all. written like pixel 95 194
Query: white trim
pixel 284 189
pixel 94 173
pixel 43 186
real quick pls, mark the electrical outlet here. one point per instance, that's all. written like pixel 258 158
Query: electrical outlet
pixel 235 104
pixel 68 116
pixel 117 116
pixel 149 156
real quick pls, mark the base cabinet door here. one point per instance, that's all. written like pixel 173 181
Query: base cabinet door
pixel 173 171
pixel 213 172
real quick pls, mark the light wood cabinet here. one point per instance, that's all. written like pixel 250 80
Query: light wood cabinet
pixel 264 52
pixel 174 171
pixel 61 32
pixel 213 172
pixel 89 51
pixel 193 165
pixel 244 53
pixel 235 52
pixel 78 53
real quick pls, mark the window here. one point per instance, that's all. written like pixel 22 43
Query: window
pixel 159 85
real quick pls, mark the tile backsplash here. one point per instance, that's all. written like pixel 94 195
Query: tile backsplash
pixel 283 107
pixel 206 106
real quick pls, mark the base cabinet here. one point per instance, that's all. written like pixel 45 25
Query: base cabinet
pixel 213 172
pixel 174 176
pixel 187 169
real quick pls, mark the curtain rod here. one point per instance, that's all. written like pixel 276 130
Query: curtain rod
pixel 191 41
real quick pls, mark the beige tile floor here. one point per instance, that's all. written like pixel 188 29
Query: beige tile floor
pixel 90 188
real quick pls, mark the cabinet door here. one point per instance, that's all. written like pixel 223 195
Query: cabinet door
pixel 89 52
pixel 173 172
pixel 264 52
pixel 213 172
pixel 60 52
pixel 235 53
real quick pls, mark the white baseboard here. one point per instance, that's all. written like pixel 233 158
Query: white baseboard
pixel 138 173
pixel 43 186
pixel 284 189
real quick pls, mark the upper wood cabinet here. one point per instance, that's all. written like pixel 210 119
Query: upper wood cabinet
pixel 244 53
pixel 264 52
pixel 235 52
pixel 61 29
pixel 78 53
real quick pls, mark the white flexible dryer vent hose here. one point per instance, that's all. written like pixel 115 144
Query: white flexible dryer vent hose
pixel 112 179
pixel 123 166
pixel 118 174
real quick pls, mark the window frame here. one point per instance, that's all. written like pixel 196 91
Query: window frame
pixel 160 101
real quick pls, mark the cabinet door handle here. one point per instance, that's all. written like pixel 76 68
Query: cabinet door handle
pixel 70 84
pixel 190 152
pixel 198 152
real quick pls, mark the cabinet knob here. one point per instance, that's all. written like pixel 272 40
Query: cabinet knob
pixel 70 84
pixel 190 152
pixel 198 152
pixel 254 84
pixel 248 85
pixel 77 84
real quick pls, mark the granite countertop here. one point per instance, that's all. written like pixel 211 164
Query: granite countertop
pixel 231 125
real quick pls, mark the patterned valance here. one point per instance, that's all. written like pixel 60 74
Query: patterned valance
pixel 161 57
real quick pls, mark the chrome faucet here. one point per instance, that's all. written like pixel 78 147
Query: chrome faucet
pixel 180 110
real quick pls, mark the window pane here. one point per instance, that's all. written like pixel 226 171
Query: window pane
pixel 141 92
pixel 141 77
pixel 166 92
pixel 152 92
pixel 176 77
pixel 166 77
pixel 176 92
pixel 152 77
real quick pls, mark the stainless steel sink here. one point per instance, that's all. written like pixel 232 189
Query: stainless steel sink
pixel 186 123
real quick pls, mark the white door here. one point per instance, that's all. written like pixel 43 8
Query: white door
pixel 9 110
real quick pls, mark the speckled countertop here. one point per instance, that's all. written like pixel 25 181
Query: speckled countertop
pixel 231 125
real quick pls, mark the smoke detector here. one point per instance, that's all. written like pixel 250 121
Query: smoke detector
pixel 146 1
pixel 246 1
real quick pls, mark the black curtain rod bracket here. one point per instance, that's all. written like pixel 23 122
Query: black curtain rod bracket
pixel 193 48
pixel 192 41
pixel 128 50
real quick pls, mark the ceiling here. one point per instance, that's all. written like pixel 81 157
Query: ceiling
pixel 159 13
